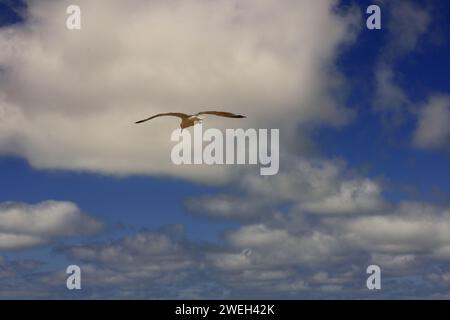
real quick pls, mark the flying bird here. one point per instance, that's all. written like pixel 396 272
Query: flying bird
pixel 188 120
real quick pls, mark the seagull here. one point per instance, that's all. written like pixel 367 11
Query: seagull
pixel 188 120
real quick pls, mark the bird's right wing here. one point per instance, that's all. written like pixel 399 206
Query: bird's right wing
pixel 174 114
pixel 222 114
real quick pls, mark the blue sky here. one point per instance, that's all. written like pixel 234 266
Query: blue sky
pixel 398 171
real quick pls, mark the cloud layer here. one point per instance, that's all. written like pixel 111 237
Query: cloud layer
pixel 23 225
pixel 282 246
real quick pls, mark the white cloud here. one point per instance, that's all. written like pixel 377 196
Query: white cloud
pixel 11 241
pixel 23 225
pixel 411 228
pixel 299 179
pixel 393 261
pixel 315 186
pixel 273 246
pixel 229 261
pixel 433 130
pixel 69 98
pixel 357 196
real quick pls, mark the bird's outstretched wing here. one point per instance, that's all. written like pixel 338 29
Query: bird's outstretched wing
pixel 174 114
pixel 222 114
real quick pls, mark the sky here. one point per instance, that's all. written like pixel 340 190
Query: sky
pixel 364 173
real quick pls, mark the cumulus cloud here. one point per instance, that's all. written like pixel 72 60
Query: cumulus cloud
pixel 146 264
pixel 393 261
pixel 294 251
pixel 312 185
pixel 147 255
pixel 433 130
pixel 157 264
pixel 320 226
pixel 287 254
pixel 401 242
pixel 278 246
pixel 15 279
pixel 24 225
pixel 69 98
pixel 411 228
pixel 352 197
pixel 228 206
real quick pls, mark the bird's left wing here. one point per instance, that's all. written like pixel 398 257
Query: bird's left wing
pixel 174 114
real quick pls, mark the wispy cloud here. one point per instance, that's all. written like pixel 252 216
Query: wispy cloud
pixel 433 130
